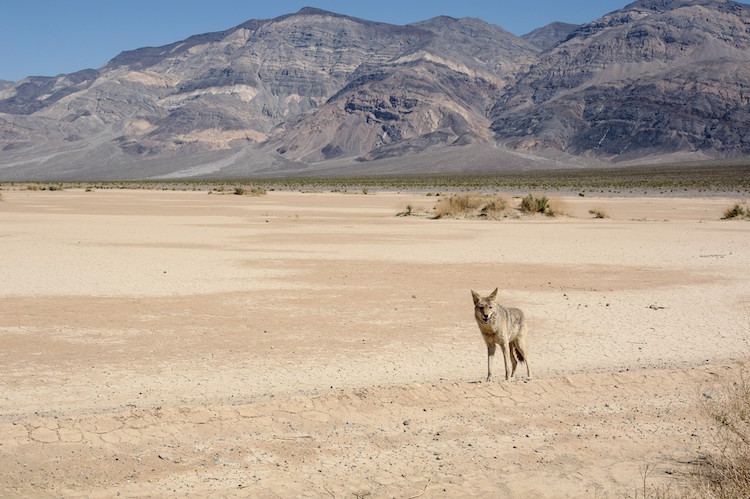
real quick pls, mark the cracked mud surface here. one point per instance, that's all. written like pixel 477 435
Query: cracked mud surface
pixel 164 343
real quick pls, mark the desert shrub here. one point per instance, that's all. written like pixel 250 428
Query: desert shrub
pixel 725 471
pixel 532 204
pixel 528 204
pixel 556 208
pixel 598 213
pixel 458 205
pixel 494 208
pixel 737 211
pixel 471 205
pixel 542 204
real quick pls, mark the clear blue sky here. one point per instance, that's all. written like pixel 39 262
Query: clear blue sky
pixel 50 37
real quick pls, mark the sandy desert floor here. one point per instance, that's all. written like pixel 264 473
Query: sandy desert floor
pixel 159 343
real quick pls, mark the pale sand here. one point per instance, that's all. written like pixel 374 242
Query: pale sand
pixel 180 343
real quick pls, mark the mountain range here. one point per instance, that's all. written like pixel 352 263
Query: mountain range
pixel 318 93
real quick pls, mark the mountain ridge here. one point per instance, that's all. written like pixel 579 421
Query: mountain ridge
pixel 639 84
pixel 319 91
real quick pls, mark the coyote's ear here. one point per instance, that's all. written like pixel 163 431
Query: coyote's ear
pixel 475 296
pixel 494 294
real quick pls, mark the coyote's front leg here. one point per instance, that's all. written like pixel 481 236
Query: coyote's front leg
pixel 491 347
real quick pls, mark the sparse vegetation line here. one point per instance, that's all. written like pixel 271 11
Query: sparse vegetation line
pixel 704 179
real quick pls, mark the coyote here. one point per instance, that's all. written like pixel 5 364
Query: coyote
pixel 501 326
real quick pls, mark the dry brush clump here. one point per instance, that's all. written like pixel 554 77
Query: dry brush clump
pixel 496 207
pixel 724 472
pixel 739 210
pixel 472 205
pixel 532 204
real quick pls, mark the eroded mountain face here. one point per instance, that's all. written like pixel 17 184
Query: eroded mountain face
pixel 655 78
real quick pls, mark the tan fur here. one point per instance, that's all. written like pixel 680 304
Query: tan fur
pixel 501 326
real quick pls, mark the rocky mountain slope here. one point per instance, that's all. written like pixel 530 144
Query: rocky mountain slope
pixel 320 92
pixel 657 77
pixel 435 93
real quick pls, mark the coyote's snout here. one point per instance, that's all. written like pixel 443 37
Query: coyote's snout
pixel 501 326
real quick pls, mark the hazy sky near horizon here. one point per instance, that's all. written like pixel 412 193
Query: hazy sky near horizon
pixel 51 37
